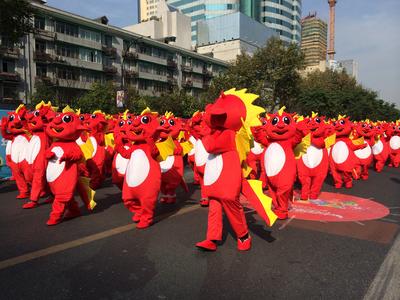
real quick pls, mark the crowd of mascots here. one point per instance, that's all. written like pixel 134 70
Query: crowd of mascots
pixel 234 148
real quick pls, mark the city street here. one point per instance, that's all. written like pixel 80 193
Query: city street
pixel 102 256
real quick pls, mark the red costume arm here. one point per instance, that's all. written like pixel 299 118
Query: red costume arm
pixel 72 153
pixel 220 141
pixel 260 135
pixel 319 142
pixel 178 148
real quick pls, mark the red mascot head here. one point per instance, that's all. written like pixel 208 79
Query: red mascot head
pixel 172 126
pixel 281 125
pixel 65 126
pixel 40 117
pixel 343 126
pixel 16 122
pixel 144 126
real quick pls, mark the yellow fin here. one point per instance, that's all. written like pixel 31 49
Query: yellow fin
pixel 330 141
pixel 166 148
pixel 359 141
pixel 303 146
pixel 187 147
pixel 89 192
pixel 109 140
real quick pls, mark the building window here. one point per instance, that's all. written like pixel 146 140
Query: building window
pixel 90 35
pixel 40 46
pixel 67 29
pixel 39 23
pixel 67 74
pixel 41 70
pixel 67 51
pixel 8 66
pixel 144 84
pixel 90 55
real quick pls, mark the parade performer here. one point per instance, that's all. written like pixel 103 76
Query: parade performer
pixel 393 133
pixel 14 128
pixel 343 161
pixel 366 130
pixel 37 121
pixel 312 166
pixel 143 174
pixel 223 171
pixel 282 136
pixel 381 148
pixel 172 166
pixel 64 154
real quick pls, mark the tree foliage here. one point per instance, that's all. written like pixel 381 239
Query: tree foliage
pixel 331 93
pixel 15 19
pixel 100 97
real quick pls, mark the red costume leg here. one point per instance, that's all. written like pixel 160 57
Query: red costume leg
pixel 234 211
pixel 316 186
pixel 337 178
pixel 348 179
pixel 379 165
pixel 58 208
pixel 283 196
pixel 214 229
pixel 364 172
pixel 20 181
pixel 305 186
pixel 148 205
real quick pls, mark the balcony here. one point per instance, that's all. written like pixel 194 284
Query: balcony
pixel 10 77
pixel 129 55
pixel 130 74
pixel 49 81
pixel 110 70
pixel 186 68
pixel 45 34
pixel 109 50
pixel 41 56
pixel 172 80
pixel 9 52
pixel 207 73
pixel 188 83
pixel 171 64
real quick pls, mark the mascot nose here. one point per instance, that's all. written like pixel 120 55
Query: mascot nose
pixel 136 122
pixel 57 120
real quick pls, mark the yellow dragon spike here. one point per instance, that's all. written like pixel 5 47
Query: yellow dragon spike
pixel 195 113
pixel 281 110
pixel 313 114
pixel 98 112
pixel 340 117
pixel 21 106
pixel 125 115
pixel 148 111
pixel 169 114
pixel 68 109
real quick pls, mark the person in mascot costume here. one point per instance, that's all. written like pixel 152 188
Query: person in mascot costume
pixel 366 130
pixel 393 133
pixel 223 171
pixel 14 128
pixel 64 155
pixel 143 174
pixel 37 121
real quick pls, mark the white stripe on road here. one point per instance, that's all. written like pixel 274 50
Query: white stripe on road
pixel 386 285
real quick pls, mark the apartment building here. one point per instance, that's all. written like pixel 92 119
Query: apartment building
pixel 68 53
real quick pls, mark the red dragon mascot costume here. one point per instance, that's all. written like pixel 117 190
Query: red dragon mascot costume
pixel 312 166
pixel 64 154
pixel 343 161
pixel 37 121
pixel 223 171
pixel 15 129
pixel 282 136
pixel 381 148
pixel 366 130
pixel 393 133
pixel 143 175
pixel 172 166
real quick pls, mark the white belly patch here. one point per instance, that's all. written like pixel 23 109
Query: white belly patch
pixel 54 167
pixel 257 149
pixel 138 168
pixel 363 153
pixel 18 149
pixel 213 169
pixel 377 148
pixel 274 159
pixel 167 164
pixel 340 152
pixel 121 163
pixel 33 149
pixel 395 142
pixel 313 157
pixel 8 148
pixel 201 155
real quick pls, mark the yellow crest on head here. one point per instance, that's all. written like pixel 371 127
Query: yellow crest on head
pixel 341 117
pixel 367 121
pixel 40 105
pixel 281 110
pixel 21 106
pixel 98 112
pixel 148 111
pixel 78 111
pixel 313 114
pixel 68 109
pixel 125 115
pixel 397 122
pixel 195 113
pixel 169 114
pixel 300 118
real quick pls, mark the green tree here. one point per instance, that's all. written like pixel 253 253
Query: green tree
pixel 99 97
pixel 272 73
pixel 331 93
pixel 15 19
pixel 44 92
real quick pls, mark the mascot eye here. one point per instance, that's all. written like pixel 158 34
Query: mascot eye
pixel 379 127
pixel 341 122
pixel 36 113
pixel 129 122
pixel 318 120
pixel 81 118
pixel 364 125
pixel 93 116
pixel 162 122
pixel 334 123
pixel 275 121
pixel 286 120
pixel 264 122
pixel 67 119
pixel 145 120
pixel 398 128
pixel 121 123
pixel 11 118
pixel 171 122
pixel 370 126
pixel 129 117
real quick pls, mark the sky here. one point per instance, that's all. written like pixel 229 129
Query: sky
pixel 367 31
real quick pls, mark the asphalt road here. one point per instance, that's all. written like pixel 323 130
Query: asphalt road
pixel 102 256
